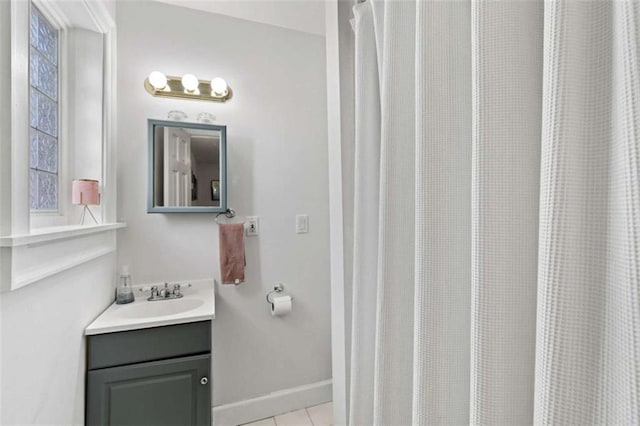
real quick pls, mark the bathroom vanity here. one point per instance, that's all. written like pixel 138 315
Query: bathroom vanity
pixel 149 362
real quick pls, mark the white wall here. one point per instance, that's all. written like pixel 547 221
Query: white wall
pixel 277 162
pixel 301 15
pixel 5 155
pixel 84 137
pixel 5 119
pixel 340 86
pixel 42 352
pixel 43 347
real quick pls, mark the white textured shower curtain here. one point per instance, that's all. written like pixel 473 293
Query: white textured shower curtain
pixel 497 213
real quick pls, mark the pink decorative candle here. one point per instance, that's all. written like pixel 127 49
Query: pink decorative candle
pixel 85 192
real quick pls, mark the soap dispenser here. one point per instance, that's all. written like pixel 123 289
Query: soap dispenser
pixel 124 292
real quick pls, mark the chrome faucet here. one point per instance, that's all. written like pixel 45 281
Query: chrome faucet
pixel 165 293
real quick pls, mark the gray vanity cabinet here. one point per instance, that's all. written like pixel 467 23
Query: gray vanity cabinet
pixel 158 376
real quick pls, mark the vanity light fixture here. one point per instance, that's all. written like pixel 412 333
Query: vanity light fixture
pixel 158 80
pixel 187 87
pixel 190 83
pixel 219 87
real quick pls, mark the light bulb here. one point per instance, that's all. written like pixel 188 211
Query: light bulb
pixel 158 80
pixel 190 82
pixel 219 87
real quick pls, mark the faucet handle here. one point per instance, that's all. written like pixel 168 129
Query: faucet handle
pixel 176 289
pixel 154 290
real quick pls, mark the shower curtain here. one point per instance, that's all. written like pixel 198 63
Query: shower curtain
pixel 497 213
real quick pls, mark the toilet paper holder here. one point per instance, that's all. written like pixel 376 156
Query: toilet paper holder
pixel 277 289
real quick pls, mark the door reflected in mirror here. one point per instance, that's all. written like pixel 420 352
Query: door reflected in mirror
pixel 188 167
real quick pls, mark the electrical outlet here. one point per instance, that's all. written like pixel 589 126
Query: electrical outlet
pixel 251 226
pixel 302 224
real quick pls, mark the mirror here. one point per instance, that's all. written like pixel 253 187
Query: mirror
pixel 187 167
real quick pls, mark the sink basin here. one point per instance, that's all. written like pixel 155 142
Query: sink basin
pixel 198 304
pixel 159 308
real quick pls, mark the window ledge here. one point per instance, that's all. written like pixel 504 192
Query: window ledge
pixel 26 259
pixel 43 235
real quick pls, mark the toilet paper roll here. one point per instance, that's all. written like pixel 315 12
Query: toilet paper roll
pixel 281 305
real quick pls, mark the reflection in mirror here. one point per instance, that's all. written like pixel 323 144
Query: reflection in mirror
pixel 187 164
pixel 188 167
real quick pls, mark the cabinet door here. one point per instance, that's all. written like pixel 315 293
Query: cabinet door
pixel 159 393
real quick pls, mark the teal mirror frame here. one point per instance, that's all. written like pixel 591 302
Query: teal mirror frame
pixel 151 208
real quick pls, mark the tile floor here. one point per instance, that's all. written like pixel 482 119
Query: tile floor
pixel 318 415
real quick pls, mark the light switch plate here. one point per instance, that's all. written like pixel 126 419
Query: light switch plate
pixel 251 226
pixel 302 224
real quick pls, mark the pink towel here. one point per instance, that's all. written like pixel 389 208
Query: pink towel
pixel 232 259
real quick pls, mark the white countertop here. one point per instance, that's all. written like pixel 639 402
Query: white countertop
pixel 198 304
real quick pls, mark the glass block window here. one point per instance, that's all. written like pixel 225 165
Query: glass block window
pixel 43 113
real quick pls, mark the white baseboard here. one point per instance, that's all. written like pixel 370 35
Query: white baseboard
pixel 272 404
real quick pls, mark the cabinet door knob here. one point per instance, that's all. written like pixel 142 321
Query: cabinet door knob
pixel 204 381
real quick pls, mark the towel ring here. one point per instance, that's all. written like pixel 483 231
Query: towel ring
pixel 229 213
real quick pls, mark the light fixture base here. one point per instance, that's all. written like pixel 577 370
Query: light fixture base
pixel 174 89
